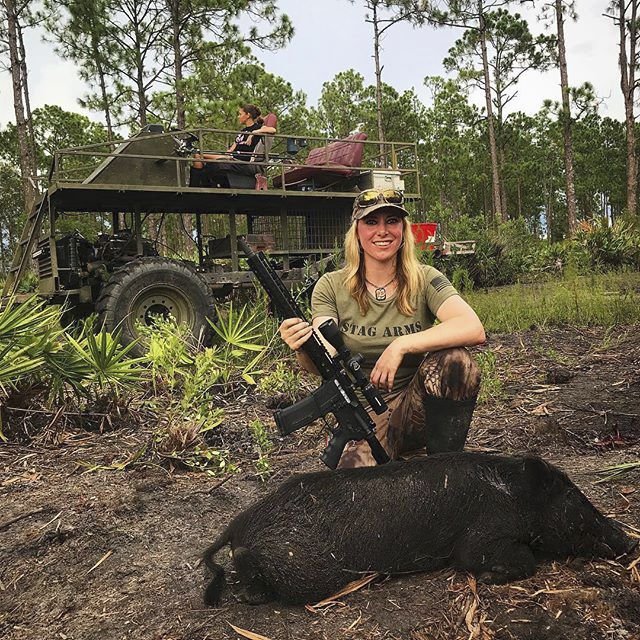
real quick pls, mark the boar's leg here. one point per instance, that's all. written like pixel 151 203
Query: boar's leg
pixel 496 561
pixel 255 588
pixel 216 585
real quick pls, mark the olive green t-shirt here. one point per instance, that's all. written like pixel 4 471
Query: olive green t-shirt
pixel 369 335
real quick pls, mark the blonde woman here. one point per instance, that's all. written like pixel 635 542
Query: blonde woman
pixel 386 303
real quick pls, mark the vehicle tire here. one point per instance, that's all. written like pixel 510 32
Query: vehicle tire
pixel 155 286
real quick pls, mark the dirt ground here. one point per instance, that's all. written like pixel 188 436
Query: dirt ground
pixel 114 555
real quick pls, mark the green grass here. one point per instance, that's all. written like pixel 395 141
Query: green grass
pixel 491 388
pixel 597 300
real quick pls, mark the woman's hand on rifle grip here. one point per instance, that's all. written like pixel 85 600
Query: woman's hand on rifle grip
pixel 295 332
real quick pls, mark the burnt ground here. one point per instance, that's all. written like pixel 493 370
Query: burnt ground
pixel 114 554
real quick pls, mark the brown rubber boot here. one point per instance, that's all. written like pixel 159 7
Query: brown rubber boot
pixel 447 423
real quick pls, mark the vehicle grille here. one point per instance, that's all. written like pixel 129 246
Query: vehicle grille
pixel 43 259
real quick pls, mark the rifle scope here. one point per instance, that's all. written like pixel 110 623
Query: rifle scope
pixel 331 333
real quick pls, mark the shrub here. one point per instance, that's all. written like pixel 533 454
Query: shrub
pixel 612 246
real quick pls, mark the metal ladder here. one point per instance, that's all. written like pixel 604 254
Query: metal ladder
pixel 22 253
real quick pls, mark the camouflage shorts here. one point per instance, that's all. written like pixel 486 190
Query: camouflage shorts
pixel 449 373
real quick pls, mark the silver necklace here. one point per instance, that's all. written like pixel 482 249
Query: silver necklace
pixel 380 292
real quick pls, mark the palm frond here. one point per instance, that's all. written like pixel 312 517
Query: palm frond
pixel 107 361
pixel 240 329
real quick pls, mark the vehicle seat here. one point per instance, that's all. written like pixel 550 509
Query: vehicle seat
pixel 326 165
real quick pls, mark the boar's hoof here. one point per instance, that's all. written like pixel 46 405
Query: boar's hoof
pixel 251 595
pixel 502 575
pixel 503 562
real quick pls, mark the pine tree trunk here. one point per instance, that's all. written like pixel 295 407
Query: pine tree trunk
pixel 503 188
pixel 572 218
pixel 27 158
pixel 139 74
pixel 25 90
pixel 142 98
pixel 376 55
pixel 181 118
pixel 103 89
pixel 550 216
pixel 627 84
pixel 495 171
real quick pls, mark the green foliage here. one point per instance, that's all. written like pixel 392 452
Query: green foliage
pixel 239 332
pixel 187 381
pixel 216 91
pixel 12 217
pixel 600 300
pixel 210 460
pixel 168 351
pixel 24 331
pixel 612 246
pixel 511 254
pixel 177 364
pixel 53 129
pixel 183 381
pixel 451 151
pixel 491 386
pixel 105 361
pixel 512 50
pixel 264 446
pixel 461 279
pixel 501 257
pixel 36 352
pixel 346 102
pixel 284 379
pixel 616 471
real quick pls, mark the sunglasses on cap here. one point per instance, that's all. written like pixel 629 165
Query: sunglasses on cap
pixel 374 196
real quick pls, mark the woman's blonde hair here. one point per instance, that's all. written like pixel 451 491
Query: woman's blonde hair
pixel 410 277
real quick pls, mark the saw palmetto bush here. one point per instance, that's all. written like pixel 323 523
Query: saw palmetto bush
pixel 191 382
pixel 26 330
pixel 101 362
pixel 241 341
pixel 610 246
pixel 40 360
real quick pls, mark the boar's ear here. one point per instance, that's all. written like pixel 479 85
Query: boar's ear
pixel 547 479
pixel 538 472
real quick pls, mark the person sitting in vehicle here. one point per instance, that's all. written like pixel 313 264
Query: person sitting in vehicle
pixel 237 157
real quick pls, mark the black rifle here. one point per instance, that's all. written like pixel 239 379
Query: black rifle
pixel 341 375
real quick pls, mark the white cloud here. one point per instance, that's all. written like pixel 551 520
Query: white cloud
pixel 51 80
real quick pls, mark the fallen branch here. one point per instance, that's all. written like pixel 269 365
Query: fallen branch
pixel 350 588
pixel 248 634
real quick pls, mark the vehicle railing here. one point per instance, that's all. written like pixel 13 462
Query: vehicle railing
pixel 401 157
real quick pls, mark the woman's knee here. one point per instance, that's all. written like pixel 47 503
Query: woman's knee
pixel 451 373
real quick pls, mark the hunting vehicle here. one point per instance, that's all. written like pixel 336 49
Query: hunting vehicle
pixel 294 203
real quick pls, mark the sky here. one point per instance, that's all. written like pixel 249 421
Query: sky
pixel 331 36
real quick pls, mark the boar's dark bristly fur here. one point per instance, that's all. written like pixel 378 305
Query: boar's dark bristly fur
pixel 491 515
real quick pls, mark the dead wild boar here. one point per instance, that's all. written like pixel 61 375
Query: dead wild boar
pixel 493 516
